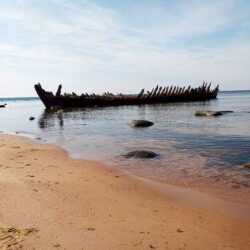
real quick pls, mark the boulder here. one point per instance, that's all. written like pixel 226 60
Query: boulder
pixel 140 154
pixel 208 113
pixel 246 165
pixel 140 123
pixel 212 113
pixel 32 118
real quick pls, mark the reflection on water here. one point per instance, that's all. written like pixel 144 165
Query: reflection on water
pixel 50 117
pixel 208 149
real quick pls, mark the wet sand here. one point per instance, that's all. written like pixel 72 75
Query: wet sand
pixel 51 201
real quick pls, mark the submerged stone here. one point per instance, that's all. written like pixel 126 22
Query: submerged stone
pixel 140 154
pixel 140 123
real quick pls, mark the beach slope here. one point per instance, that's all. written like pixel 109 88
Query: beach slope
pixel 51 201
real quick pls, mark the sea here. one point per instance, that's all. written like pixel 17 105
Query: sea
pixel 204 152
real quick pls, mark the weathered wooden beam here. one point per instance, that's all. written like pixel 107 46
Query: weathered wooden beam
pixel 58 92
pixel 166 91
pixel 162 92
pixel 158 92
pixel 173 92
pixel 140 94
pixel 170 91
pixel 151 93
pixel 155 91
pixel 208 88
pixel 188 90
pixel 180 90
pixel 177 90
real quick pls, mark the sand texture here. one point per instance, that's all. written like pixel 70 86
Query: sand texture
pixel 51 201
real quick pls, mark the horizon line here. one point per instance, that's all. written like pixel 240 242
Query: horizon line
pixel 36 97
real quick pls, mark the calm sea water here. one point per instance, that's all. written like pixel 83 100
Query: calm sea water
pixel 205 149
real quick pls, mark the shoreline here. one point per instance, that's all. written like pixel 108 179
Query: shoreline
pixel 93 206
pixel 186 194
pixel 213 189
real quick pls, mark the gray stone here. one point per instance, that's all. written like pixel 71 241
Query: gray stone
pixel 212 113
pixel 140 154
pixel 208 113
pixel 140 123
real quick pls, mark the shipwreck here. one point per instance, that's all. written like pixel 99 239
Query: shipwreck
pixel 155 96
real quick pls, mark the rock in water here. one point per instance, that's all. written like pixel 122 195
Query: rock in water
pixel 32 118
pixel 208 113
pixel 140 123
pixel 246 165
pixel 140 154
pixel 2 106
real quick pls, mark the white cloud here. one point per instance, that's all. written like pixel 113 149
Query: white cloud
pixel 89 43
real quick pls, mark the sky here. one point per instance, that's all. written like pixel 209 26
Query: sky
pixel 122 46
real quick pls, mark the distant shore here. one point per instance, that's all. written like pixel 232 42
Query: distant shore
pixel 51 201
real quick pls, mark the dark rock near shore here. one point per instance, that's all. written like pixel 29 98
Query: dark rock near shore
pixel 2 106
pixel 140 154
pixel 140 123
pixel 32 118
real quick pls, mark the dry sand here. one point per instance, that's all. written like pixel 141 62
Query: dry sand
pixel 50 201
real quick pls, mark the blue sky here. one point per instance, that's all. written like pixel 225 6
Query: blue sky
pixel 122 46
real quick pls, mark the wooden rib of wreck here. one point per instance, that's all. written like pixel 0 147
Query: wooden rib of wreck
pixel 156 95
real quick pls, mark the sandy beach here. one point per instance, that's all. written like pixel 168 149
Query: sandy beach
pixel 51 201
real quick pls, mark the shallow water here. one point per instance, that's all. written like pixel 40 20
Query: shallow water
pixel 209 150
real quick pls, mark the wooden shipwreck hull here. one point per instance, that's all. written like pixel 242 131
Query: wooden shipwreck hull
pixel 156 95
